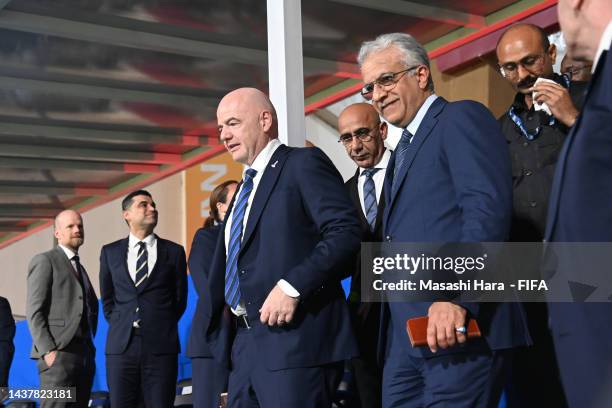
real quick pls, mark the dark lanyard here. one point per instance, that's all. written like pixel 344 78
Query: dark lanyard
pixel 519 122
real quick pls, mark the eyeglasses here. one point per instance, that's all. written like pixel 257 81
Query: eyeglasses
pixel 386 81
pixel 571 71
pixel 530 63
pixel 363 134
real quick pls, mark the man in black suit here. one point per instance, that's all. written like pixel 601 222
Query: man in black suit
pixel 363 135
pixel 7 332
pixel 143 283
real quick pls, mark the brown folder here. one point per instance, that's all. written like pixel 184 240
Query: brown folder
pixel 417 330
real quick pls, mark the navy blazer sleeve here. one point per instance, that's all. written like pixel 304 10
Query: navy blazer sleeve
pixel 328 205
pixel 107 290
pixel 479 162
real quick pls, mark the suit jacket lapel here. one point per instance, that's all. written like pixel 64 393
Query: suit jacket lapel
pixel 122 254
pixel 264 189
pixel 66 263
pixel 425 128
pixel 354 192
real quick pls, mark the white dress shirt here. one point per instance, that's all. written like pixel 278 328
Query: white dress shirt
pixel 70 254
pixel 604 45
pixel 413 126
pixel 132 254
pixel 378 177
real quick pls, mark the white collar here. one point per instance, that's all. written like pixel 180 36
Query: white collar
pixel 418 118
pixel 382 164
pixel 69 252
pixel 604 44
pixel 262 159
pixel 149 240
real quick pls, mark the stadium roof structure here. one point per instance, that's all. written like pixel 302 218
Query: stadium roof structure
pixel 99 97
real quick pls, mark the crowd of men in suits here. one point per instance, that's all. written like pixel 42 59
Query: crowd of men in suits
pixel 273 327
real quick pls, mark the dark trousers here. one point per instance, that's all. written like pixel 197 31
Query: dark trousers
pixel 460 380
pixel 209 379
pixel 139 375
pixel 74 366
pixel 367 377
pixel 252 385
pixel 535 380
pixel 6 358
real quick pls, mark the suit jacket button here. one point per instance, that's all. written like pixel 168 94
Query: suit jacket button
pixel 527 172
pixel 533 204
pixel 242 272
pixel 80 297
pixel 388 238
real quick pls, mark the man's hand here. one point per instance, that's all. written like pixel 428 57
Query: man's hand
pixel 50 358
pixel 278 308
pixel 444 319
pixel 558 100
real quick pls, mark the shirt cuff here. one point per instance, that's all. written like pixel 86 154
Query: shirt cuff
pixel 288 289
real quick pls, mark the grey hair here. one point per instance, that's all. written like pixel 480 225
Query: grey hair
pixel 414 53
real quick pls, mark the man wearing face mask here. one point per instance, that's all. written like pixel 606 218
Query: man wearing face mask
pixel 535 138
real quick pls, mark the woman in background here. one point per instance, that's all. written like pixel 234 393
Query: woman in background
pixel 209 378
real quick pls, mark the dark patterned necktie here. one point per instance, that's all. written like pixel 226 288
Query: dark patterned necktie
pixel 142 264
pixel 369 197
pixel 401 151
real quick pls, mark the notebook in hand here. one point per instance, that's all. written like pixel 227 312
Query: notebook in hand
pixel 417 330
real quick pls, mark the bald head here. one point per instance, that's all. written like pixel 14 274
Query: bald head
pixel 69 229
pixel 246 120
pixel 362 134
pixel 524 54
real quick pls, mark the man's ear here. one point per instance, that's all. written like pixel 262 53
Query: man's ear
pixel 423 73
pixel 383 130
pixel 552 53
pixel 265 119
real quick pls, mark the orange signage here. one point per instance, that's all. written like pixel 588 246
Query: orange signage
pixel 200 180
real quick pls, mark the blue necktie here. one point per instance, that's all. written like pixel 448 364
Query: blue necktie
pixel 369 197
pixel 400 156
pixel 232 290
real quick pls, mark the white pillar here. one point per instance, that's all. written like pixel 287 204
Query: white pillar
pixel 285 69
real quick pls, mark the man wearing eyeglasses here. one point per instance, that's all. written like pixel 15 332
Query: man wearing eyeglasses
pixel 576 70
pixel 363 135
pixel 448 180
pixel 535 138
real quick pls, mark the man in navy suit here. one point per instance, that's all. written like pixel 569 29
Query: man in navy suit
pixel 448 180
pixel 143 283
pixel 363 135
pixel 290 237
pixel 580 206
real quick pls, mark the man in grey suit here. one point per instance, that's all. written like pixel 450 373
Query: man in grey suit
pixel 62 313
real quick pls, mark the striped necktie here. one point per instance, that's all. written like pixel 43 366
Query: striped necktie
pixel 142 267
pixel 232 289
pixel 400 156
pixel 369 197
